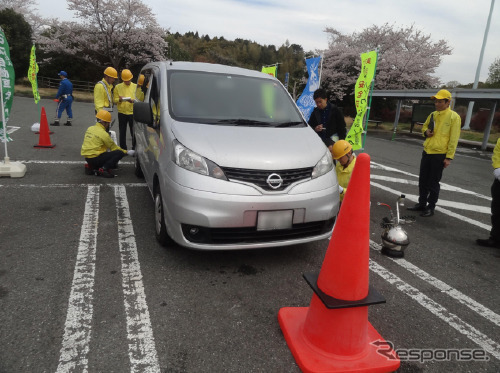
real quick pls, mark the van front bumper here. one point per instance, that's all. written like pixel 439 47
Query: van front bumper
pixel 215 221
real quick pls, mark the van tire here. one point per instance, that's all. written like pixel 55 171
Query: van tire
pixel 160 228
pixel 138 170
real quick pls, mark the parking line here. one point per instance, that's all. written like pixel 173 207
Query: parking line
pixel 444 186
pixel 445 288
pixel 142 349
pixel 440 209
pixel 78 326
pixel 441 312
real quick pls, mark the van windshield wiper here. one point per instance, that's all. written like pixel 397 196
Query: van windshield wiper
pixel 288 124
pixel 244 122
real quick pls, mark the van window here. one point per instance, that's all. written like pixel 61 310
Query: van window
pixel 227 99
pixel 154 96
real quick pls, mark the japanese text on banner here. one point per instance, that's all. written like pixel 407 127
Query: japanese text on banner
pixel 32 72
pixel 361 93
pixel 271 70
pixel 7 77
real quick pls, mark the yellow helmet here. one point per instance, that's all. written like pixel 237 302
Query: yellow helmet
pixel 341 148
pixel 111 72
pixel 127 75
pixel 140 80
pixel 104 115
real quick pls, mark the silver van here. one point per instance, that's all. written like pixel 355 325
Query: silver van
pixel 229 159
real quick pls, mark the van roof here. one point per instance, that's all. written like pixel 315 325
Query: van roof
pixel 208 67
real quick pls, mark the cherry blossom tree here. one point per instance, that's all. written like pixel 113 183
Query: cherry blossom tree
pixel 407 58
pixel 28 9
pixel 118 33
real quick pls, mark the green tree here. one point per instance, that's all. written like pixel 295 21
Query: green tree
pixel 18 33
pixel 494 72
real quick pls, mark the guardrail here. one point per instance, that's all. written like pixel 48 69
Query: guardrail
pixel 78 85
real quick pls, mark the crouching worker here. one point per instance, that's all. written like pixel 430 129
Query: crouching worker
pixel 342 153
pixel 95 147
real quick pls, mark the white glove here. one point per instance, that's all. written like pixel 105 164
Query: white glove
pixel 341 190
pixel 496 173
pixel 131 152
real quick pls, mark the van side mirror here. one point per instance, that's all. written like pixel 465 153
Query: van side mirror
pixel 143 113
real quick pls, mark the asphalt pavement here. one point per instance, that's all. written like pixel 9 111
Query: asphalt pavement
pixel 84 286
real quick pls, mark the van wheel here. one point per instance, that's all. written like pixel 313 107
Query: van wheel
pixel 138 169
pixel 160 227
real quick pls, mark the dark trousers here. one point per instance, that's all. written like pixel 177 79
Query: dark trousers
pixel 431 171
pixel 65 104
pixel 495 211
pixel 107 160
pixel 123 120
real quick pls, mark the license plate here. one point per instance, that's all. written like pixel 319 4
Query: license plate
pixel 270 220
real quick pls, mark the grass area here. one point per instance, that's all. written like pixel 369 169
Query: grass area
pixel 50 93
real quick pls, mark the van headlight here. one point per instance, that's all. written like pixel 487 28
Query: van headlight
pixel 324 165
pixel 192 161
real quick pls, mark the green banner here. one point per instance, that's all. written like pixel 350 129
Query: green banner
pixel 7 77
pixel 361 93
pixel 32 72
pixel 271 70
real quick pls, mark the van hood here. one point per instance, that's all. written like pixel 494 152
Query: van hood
pixel 262 148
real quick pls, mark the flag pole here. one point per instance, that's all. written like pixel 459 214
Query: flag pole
pixel 320 69
pixel 367 115
pixel 4 124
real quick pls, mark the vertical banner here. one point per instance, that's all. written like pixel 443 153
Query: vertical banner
pixel 287 77
pixel 32 73
pixel 271 70
pixel 306 102
pixel 7 77
pixel 361 93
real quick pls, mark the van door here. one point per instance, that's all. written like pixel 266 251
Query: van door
pixel 148 134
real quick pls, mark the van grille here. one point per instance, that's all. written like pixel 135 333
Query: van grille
pixel 244 235
pixel 259 177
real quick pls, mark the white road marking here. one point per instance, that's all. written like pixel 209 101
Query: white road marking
pixel 414 198
pixel 445 288
pixel 63 162
pixel 12 129
pixel 78 326
pixel 108 184
pixel 439 311
pixel 142 349
pixel 444 186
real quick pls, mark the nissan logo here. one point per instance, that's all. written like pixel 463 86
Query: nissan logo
pixel 274 181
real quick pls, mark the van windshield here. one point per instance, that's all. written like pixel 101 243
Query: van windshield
pixel 226 99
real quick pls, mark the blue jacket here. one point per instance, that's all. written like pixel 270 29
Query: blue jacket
pixel 65 88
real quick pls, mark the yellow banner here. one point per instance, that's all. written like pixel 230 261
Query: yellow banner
pixel 271 70
pixel 361 93
pixel 32 72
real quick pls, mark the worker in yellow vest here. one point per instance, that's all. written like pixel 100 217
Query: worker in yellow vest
pixel 124 97
pixel 103 90
pixel 346 160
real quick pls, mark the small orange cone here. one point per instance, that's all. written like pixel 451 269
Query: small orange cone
pixel 44 137
pixel 333 334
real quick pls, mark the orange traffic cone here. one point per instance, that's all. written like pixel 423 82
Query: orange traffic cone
pixel 333 334
pixel 44 137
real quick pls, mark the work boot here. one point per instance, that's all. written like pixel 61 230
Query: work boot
pixel 488 242
pixel 104 172
pixel 417 207
pixel 68 123
pixel 428 212
pixel 88 169
pixel 56 123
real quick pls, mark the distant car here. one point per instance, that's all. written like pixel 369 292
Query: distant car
pixel 229 159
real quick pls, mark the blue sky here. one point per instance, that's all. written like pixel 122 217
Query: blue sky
pixel 461 23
